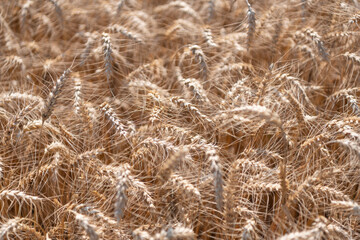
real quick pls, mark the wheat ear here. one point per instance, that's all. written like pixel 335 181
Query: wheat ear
pixel 122 186
pixel 54 94
pixel 120 6
pixel 57 10
pixel 89 228
pixel 125 32
pixel 349 206
pixel 251 24
pixel 115 121
pixel 7 227
pixel 108 60
pixel 169 165
pixel 214 159
pixel 77 94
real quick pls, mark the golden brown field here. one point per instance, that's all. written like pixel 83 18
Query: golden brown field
pixel 160 119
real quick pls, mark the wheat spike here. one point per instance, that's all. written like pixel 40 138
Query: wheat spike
pixel 53 96
pixel 89 228
pixel 7 227
pixel 107 49
pixel 121 196
pixel 251 24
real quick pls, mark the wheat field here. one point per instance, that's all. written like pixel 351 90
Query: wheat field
pixel 160 119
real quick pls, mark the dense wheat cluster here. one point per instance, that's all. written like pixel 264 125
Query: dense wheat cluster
pixel 160 119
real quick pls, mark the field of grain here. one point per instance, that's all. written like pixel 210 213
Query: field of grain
pixel 160 119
